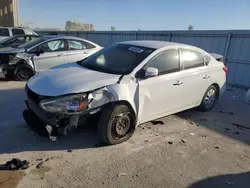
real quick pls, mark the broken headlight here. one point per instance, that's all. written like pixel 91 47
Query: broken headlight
pixel 71 104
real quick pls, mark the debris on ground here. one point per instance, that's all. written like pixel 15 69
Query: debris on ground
pixel 191 122
pixel 40 159
pixel 69 151
pixel 157 134
pixel 227 129
pixel 192 134
pixel 46 159
pixel 229 182
pixel 38 166
pixel 121 174
pixel 236 96
pixel 146 140
pixel 16 164
pixel 216 147
pixel 149 127
pixel 204 136
pixel 236 133
pixel 183 141
pixel 156 122
pixel 240 126
pixel 170 142
pixel 224 112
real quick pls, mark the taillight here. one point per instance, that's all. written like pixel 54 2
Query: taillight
pixel 225 69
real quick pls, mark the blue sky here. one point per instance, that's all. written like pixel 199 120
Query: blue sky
pixel 139 14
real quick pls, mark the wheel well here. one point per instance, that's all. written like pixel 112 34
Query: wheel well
pixel 23 64
pixel 218 89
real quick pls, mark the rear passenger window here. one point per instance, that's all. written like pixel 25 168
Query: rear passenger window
pixel 191 59
pixel 4 32
pixel 166 62
pixel 76 45
pixel 17 32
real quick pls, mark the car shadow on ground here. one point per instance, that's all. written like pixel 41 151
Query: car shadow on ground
pixel 241 180
pixel 229 117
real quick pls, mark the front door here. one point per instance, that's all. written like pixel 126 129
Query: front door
pixel 54 54
pixel 161 95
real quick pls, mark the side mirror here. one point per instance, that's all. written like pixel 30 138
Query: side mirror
pixel 39 52
pixel 151 72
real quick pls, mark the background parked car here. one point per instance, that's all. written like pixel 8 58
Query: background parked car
pixel 6 32
pixel 16 40
pixel 42 53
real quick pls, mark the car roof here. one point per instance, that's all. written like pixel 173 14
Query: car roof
pixel 153 43
pixel 47 37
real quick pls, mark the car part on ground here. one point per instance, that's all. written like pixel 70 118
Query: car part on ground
pixel 152 79
pixel 43 53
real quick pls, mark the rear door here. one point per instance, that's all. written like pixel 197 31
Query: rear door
pixel 78 50
pixel 195 75
pixel 54 54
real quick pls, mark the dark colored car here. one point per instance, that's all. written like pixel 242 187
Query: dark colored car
pixel 16 40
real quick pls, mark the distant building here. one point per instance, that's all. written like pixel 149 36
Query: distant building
pixel 9 16
pixel 78 26
pixel 49 29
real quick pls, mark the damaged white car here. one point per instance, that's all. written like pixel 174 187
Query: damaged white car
pixel 128 84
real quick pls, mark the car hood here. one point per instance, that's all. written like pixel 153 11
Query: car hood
pixel 10 50
pixel 69 78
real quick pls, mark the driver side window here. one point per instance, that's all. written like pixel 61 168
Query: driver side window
pixel 166 62
pixel 53 46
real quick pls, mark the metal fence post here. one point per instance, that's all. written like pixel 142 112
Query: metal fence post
pixel 135 35
pixel 227 47
pixel 110 38
pixel 170 36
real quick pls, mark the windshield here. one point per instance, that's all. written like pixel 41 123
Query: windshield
pixel 117 59
pixel 7 39
pixel 32 43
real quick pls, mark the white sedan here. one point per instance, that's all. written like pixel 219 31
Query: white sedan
pixel 129 83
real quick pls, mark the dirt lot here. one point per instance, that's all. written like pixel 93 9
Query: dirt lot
pixel 191 149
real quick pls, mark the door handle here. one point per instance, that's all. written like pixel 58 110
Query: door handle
pixel 86 52
pixel 178 83
pixel 206 77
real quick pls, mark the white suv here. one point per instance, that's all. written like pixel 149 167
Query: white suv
pixel 6 32
pixel 129 83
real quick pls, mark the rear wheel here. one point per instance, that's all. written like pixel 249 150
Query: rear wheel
pixel 116 125
pixel 209 99
pixel 23 73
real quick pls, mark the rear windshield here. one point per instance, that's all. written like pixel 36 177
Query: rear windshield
pixel 118 59
pixel 4 32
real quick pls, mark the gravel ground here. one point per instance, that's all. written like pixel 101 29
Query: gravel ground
pixel 190 149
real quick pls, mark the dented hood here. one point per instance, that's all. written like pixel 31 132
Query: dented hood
pixel 69 78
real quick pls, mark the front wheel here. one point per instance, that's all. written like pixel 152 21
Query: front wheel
pixel 117 124
pixel 209 99
pixel 23 73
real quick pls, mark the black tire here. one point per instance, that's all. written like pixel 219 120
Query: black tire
pixel 209 99
pixel 23 73
pixel 116 125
